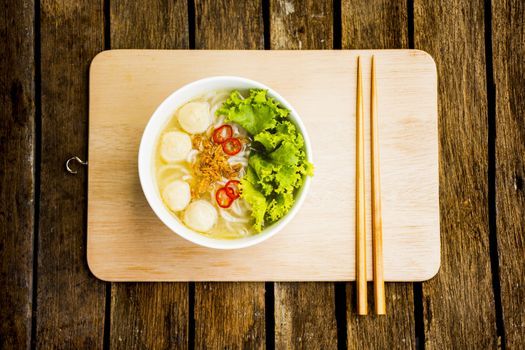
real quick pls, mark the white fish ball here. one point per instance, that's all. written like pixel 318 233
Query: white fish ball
pixel 175 146
pixel 177 195
pixel 194 117
pixel 200 216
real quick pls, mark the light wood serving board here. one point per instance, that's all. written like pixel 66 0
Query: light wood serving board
pixel 126 241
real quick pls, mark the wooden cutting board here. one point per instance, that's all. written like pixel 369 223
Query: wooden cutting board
pixel 126 241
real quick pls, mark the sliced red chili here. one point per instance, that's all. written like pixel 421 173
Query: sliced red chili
pixel 232 146
pixel 232 189
pixel 222 133
pixel 222 198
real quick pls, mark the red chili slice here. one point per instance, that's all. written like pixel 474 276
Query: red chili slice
pixel 222 133
pixel 222 198
pixel 232 189
pixel 232 146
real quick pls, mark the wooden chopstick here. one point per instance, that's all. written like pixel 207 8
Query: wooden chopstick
pixel 377 225
pixel 360 222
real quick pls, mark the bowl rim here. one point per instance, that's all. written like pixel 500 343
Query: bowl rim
pixel 157 121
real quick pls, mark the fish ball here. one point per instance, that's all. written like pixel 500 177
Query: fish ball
pixel 177 195
pixel 200 216
pixel 175 146
pixel 194 117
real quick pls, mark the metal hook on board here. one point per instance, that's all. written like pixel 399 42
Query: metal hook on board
pixel 68 168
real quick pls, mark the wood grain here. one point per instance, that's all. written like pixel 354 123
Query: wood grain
pixel 70 301
pixel 229 315
pixel 228 25
pixel 69 297
pixel 395 330
pixel 164 25
pixel 459 309
pixel 379 24
pixel 305 316
pixel 509 72
pixel 301 24
pixel 17 166
pixel 304 312
pixel 127 242
pixel 149 316
pixel 152 315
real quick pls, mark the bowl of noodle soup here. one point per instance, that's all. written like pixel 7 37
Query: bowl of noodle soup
pixel 196 164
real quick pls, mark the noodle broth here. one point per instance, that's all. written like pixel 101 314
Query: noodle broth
pixel 230 223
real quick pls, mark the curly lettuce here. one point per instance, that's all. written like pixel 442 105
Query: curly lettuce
pixel 277 166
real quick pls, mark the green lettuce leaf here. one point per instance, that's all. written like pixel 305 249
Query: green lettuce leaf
pixel 287 153
pixel 277 168
pixel 279 206
pixel 256 200
pixel 255 113
pixel 287 178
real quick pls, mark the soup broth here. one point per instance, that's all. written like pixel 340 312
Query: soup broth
pixel 228 164
pixel 186 166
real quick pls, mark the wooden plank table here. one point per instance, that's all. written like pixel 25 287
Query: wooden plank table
pixel 48 297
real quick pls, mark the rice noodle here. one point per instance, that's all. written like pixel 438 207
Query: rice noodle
pixel 242 162
pixel 233 222
pixel 243 154
pixel 219 119
pixel 230 218
pixel 238 209
pixel 238 130
pixel 209 96
pixel 228 226
pixel 218 122
pixel 242 172
pixel 192 156
pixel 220 98
pixel 217 102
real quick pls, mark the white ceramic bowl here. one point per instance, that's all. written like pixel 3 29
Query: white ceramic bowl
pixel 147 149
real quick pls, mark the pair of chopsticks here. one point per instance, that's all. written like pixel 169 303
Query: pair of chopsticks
pixel 377 241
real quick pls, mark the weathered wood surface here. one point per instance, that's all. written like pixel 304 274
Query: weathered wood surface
pixel 459 308
pixel 17 165
pixel 229 315
pixel 229 24
pixel 149 315
pixel 458 305
pixel 304 312
pixel 378 25
pixel 164 25
pixel 301 25
pixel 508 33
pixel 395 330
pixel 70 301
pixel 305 316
